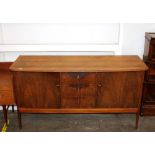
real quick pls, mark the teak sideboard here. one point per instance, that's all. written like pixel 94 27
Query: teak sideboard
pixel 78 84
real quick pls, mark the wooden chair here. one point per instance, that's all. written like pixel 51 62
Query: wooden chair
pixel 6 89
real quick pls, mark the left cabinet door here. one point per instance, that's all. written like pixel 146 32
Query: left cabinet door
pixel 37 90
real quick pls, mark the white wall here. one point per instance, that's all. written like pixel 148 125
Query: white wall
pixel 133 36
pixel 17 39
pixel 61 39
pixel 60 34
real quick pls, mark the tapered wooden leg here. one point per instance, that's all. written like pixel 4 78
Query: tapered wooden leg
pixel 19 120
pixel 5 114
pixel 137 120
pixel 13 108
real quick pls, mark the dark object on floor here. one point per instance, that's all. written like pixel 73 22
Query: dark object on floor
pixel 148 99
pixel 6 90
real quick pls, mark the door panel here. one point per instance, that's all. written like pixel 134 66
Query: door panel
pixel 119 90
pixel 37 90
pixel 107 94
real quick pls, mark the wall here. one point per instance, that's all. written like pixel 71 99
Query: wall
pixel 72 39
pixel 133 36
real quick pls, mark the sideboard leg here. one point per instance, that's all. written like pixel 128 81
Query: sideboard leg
pixel 137 120
pixel 19 120
pixel 13 108
pixel 5 114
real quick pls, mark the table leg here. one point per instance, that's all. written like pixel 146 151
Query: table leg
pixel 5 114
pixel 19 120
pixel 137 120
pixel 13 108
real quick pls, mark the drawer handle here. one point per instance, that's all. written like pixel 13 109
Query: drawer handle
pixel 78 86
pixel 77 75
pixel 99 85
pixel 73 75
pixel 83 86
pixel 73 85
pixel 82 74
pixel 57 85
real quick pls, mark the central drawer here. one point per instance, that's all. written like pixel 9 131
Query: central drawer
pixel 78 77
pixel 78 90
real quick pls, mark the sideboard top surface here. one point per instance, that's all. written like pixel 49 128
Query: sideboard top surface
pixel 78 64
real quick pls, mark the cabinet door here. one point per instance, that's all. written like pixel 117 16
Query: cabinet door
pixel 37 90
pixel 119 90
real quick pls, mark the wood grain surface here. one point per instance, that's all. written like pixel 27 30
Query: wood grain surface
pixel 78 64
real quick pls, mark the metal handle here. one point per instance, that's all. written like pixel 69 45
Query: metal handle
pixel 73 85
pixel 99 85
pixel 83 85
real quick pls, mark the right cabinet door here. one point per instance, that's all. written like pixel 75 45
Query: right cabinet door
pixel 119 89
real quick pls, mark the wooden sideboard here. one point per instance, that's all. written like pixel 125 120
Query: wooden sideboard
pixel 6 88
pixel 78 84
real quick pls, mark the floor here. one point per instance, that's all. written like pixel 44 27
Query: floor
pixel 78 123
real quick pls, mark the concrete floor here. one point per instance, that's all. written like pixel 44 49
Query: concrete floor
pixel 78 123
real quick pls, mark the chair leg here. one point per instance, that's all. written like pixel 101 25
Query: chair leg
pixel 5 114
pixel 19 120
pixel 13 108
pixel 137 120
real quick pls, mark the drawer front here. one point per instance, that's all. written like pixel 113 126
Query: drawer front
pixel 88 96
pixel 75 96
pixel 78 77
pixel 69 78
pixel 87 78
pixel 6 98
pixel 70 96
